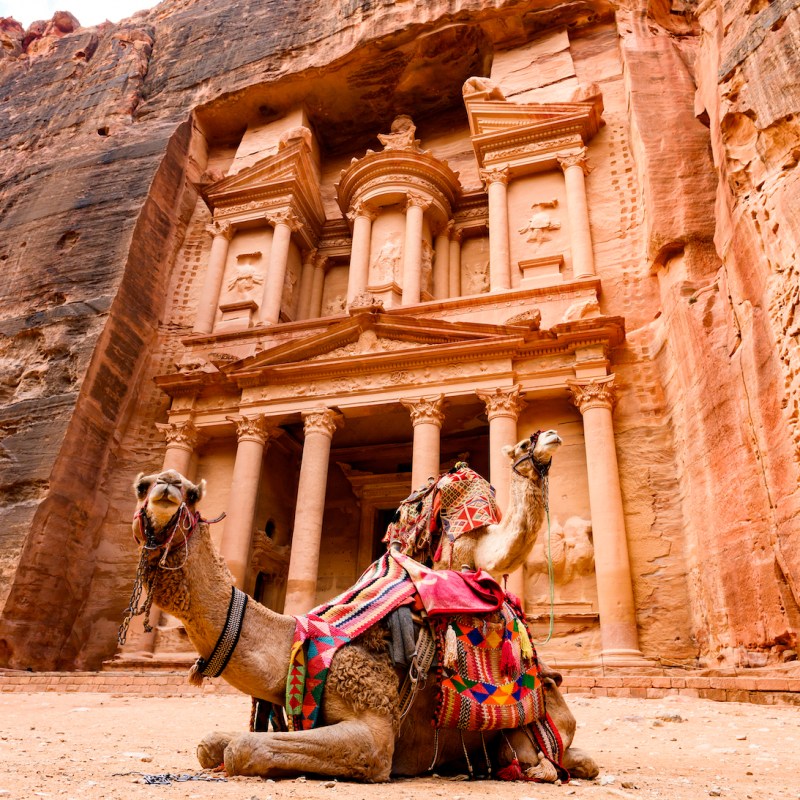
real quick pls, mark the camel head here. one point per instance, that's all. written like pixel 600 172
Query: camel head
pixel 160 499
pixel 532 456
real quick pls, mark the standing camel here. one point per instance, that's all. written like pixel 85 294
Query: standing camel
pixel 361 737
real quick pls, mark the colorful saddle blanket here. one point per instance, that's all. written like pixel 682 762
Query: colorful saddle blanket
pixel 489 674
pixel 458 502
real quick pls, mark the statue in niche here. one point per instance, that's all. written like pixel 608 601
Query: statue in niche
pixel 246 278
pixel 289 286
pixel 478 278
pixel 387 264
pixel 402 135
pixel 427 267
pixel 541 223
pixel 571 550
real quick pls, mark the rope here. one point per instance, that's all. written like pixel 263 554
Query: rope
pixel 550 569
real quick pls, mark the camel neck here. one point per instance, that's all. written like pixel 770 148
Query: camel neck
pixel 525 511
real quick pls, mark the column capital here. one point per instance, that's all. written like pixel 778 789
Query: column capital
pixel 180 434
pixel 224 229
pixel 321 261
pixel 495 175
pixel 502 402
pixel 362 209
pixel 285 217
pixel 310 256
pixel 251 429
pixel 577 159
pixel 594 393
pixel 425 410
pixel 321 420
pixel 418 201
pixel 457 234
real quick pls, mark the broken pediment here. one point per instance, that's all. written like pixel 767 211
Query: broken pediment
pixel 527 137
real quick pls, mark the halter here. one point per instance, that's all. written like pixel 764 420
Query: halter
pixel 541 468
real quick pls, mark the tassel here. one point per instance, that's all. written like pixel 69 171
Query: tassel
pixel 450 649
pixel 525 646
pixel 513 772
pixel 195 676
pixel 508 664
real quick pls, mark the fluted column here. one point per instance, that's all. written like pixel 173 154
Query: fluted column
pixel 306 284
pixel 496 181
pixel 362 217
pixel 222 233
pixel 455 263
pixel 580 235
pixel 301 584
pixel 317 286
pixel 620 641
pixel 283 223
pixel 441 262
pixel 412 248
pixel 252 435
pixel 503 407
pixel 182 439
pixel 427 418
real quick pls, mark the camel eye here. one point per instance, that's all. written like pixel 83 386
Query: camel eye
pixel 525 445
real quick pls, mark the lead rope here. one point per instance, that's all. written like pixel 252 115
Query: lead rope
pixel 550 570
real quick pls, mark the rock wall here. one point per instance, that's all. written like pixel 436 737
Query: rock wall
pixel 696 246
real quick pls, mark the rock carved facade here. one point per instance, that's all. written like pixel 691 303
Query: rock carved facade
pixel 321 288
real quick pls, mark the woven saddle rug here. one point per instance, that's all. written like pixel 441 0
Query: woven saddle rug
pixel 489 674
pixel 456 503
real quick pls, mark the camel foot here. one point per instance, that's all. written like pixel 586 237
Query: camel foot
pixel 211 750
pixel 580 764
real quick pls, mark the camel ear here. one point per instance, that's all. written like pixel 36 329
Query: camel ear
pixel 195 493
pixel 508 450
pixel 142 485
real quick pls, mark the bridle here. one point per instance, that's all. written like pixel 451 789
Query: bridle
pixel 541 468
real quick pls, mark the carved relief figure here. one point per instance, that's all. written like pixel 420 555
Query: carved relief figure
pixel 336 305
pixel 300 132
pixel 289 286
pixel 477 88
pixel 401 136
pixel 427 266
pixel 477 281
pixel 245 279
pixel 387 264
pixel 571 549
pixel 541 223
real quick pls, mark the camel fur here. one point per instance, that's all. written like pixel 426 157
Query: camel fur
pixel 361 737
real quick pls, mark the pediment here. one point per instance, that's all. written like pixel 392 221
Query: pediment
pixel 365 336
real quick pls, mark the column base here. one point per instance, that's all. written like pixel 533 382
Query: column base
pixel 624 657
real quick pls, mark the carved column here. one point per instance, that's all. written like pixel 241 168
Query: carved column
pixel 283 222
pixel 362 217
pixel 306 284
pixel 301 583
pixel 252 436
pixel 595 399
pixel 412 248
pixel 503 407
pixel 182 439
pixel 427 419
pixel 222 233
pixel 441 263
pixel 575 168
pixel 317 286
pixel 496 181
pixel 454 289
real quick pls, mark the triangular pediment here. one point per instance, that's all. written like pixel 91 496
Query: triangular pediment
pixel 368 335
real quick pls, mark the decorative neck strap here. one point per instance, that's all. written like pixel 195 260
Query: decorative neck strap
pixel 213 666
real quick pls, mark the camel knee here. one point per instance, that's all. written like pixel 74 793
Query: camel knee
pixel 210 751
pixel 580 764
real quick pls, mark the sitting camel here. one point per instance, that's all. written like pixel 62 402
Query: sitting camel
pixel 361 736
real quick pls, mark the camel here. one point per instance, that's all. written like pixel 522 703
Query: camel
pixel 503 547
pixel 361 736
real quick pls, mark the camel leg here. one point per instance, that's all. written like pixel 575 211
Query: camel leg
pixel 357 749
pixel 580 764
pixel 211 750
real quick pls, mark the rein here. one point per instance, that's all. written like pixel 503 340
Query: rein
pixel 542 469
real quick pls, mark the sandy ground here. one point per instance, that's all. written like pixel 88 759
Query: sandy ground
pixel 76 745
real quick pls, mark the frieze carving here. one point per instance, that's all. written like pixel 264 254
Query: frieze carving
pixel 179 434
pixel 367 342
pixel 593 393
pixel 578 159
pixel 502 402
pixel 425 410
pixel 402 135
pixel 251 429
pixel 223 229
pixel 494 175
pixel 533 147
pixel 192 363
pixel 322 420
